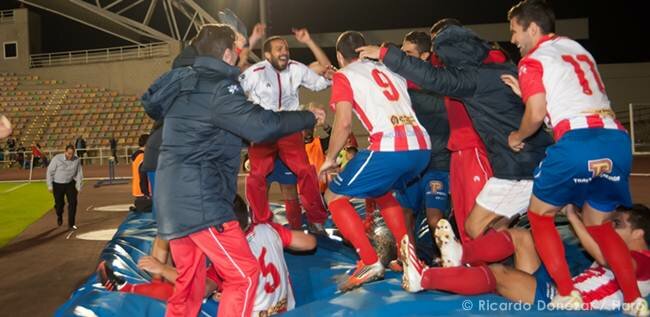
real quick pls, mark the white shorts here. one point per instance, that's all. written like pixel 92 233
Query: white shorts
pixel 506 197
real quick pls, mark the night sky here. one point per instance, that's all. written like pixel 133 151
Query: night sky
pixel 617 28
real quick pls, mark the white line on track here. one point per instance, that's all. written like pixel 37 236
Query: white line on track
pixel 14 188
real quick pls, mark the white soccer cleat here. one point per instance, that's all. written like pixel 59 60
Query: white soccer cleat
pixel 639 307
pixel 412 267
pixel 573 301
pixel 451 250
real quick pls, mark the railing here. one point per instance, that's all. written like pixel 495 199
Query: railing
pixel 6 16
pixel 111 54
pixel 92 156
pixel 639 127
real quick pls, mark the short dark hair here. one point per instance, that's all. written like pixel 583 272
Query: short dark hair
pixel 266 47
pixel 142 140
pixel 214 40
pixel 348 42
pixel 420 39
pixel 639 218
pixel 241 211
pixel 537 11
pixel 443 23
pixel 352 149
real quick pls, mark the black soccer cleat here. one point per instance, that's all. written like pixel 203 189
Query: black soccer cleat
pixel 108 278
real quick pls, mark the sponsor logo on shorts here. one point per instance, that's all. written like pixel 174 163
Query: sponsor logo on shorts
pixel 435 186
pixel 600 166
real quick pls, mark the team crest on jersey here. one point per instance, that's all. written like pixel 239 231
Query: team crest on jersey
pixel 600 167
pixel 232 89
pixel 435 186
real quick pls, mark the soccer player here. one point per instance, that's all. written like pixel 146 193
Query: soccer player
pixel 430 192
pixel 589 164
pixel 529 282
pixel 274 293
pixel 398 152
pixel 273 84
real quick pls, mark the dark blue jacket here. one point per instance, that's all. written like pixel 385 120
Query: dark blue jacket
pixel 494 109
pixel 206 117
pixel 431 113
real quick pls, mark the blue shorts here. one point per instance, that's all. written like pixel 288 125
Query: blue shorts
pixel 373 173
pixel 431 190
pixel 545 289
pixel 281 174
pixel 586 165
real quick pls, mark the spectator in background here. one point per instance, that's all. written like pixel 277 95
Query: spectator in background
pixel 80 143
pixel 63 178
pixel 113 144
pixel 5 127
pixel 11 147
pixel 20 156
pixel 140 183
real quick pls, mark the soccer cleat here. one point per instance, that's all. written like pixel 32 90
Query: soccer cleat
pixel 639 307
pixel 363 274
pixel 451 250
pixel 396 265
pixel 412 267
pixel 73 227
pixel 108 278
pixel 573 301
pixel 316 229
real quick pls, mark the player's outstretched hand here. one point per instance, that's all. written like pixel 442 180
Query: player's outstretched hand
pixel 368 52
pixel 319 114
pixel 513 82
pixel 150 264
pixel 302 35
pixel 328 166
pixel 515 142
pixel 5 127
pixel 258 33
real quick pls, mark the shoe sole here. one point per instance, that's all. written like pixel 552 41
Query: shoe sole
pixel 444 236
pixel 404 253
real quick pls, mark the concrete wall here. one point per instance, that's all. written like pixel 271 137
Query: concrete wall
pixel 15 31
pixel 126 77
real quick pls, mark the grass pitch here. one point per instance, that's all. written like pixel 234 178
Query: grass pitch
pixel 21 204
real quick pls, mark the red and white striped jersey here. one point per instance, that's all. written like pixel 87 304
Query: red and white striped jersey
pixel 575 93
pixel 380 100
pixel 599 288
pixel 274 293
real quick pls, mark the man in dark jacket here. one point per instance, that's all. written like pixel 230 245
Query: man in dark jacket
pixel 495 111
pixel 206 117
pixel 430 192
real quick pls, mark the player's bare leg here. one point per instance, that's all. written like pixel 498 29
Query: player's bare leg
pixel 513 284
pixel 480 220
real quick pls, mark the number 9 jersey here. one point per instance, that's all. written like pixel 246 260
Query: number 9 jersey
pixel 380 100
pixel 575 93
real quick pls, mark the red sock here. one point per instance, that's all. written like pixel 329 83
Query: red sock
pixel 349 222
pixel 460 280
pixel 156 289
pixel 494 246
pixel 393 215
pixel 551 251
pixel 618 257
pixel 294 213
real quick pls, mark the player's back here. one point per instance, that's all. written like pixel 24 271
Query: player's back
pixel 573 85
pixel 274 293
pixel 382 103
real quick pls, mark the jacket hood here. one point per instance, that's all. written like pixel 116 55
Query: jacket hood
pixel 457 46
pixel 160 97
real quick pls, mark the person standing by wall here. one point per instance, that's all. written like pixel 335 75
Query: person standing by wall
pixel 64 177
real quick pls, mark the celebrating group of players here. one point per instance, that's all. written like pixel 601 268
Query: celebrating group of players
pixel 449 117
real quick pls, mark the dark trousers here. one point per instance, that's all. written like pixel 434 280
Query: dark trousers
pixel 69 191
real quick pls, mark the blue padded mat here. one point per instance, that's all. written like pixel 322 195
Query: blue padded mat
pixel 314 278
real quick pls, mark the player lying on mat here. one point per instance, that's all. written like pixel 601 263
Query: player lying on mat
pixel 528 281
pixel 274 293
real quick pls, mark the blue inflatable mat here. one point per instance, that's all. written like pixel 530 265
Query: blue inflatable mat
pixel 314 278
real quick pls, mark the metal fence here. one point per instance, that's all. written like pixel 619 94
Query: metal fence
pixel 111 54
pixel 7 16
pixel 99 156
